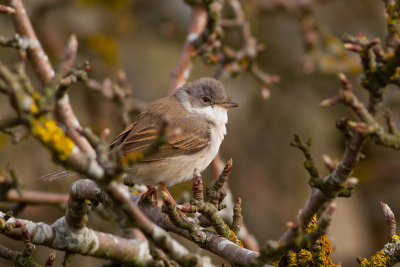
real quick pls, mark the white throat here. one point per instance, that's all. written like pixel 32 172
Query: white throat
pixel 215 114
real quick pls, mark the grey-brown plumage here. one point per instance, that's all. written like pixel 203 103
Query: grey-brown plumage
pixel 192 136
pixel 196 116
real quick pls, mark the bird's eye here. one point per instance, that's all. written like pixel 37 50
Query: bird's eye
pixel 206 100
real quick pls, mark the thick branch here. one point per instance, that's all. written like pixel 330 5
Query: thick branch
pixel 78 208
pixel 85 241
pixel 208 240
pixel 121 198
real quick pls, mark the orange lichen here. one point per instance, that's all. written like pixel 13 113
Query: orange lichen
pixel 52 137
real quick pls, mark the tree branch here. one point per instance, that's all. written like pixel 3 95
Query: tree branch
pixel 375 77
pixel 45 72
pixel 198 20
pixel 35 197
pixel 390 254
pixel 83 241
pixel 207 239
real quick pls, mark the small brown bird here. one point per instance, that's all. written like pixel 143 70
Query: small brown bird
pixel 196 115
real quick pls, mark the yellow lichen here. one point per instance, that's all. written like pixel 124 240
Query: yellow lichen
pixel 323 255
pixel 34 108
pixel 396 74
pixel 291 258
pixel 134 192
pixel 132 158
pixel 233 238
pixel 36 96
pixel 390 55
pixel 53 137
pixel 104 45
pixel 305 258
pixel 116 5
pixel 364 262
pixel 311 254
pixel 312 226
pixel 378 260
pixel 395 238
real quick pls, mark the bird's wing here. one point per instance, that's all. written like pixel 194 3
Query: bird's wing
pixel 186 136
pixel 121 137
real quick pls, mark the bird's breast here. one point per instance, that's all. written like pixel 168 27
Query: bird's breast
pixel 217 133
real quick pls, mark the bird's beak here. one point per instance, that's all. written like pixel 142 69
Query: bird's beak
pixel 228 104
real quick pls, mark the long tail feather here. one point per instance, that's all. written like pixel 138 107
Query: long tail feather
pixel 57 175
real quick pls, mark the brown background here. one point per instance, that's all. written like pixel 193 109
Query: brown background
pixel 145 38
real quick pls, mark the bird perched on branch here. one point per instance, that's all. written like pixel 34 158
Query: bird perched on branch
pixel 195 115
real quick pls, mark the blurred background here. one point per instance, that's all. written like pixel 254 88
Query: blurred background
pixel 145 39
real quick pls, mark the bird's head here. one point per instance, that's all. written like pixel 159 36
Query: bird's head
pixel 206 97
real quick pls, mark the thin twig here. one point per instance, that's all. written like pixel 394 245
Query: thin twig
pixel 390 220
pixel 181 74
pixel 35 197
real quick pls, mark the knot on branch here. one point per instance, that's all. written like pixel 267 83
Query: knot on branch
pixel 17 41
pixel 83 195
pixel 348 189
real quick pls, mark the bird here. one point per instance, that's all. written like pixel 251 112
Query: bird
pixel 196 117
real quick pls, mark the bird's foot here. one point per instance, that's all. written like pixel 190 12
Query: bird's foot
pixel 165 189
pixel 146 197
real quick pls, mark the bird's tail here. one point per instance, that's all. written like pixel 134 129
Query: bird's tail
pixel 57 175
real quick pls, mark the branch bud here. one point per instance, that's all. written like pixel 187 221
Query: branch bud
pixel 328 102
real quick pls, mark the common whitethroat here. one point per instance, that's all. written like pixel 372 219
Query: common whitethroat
pixel 196 115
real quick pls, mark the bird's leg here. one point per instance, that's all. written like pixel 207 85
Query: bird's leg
pixel 165 189
pixel 150 191
pixel 155 196
pixel 168 193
